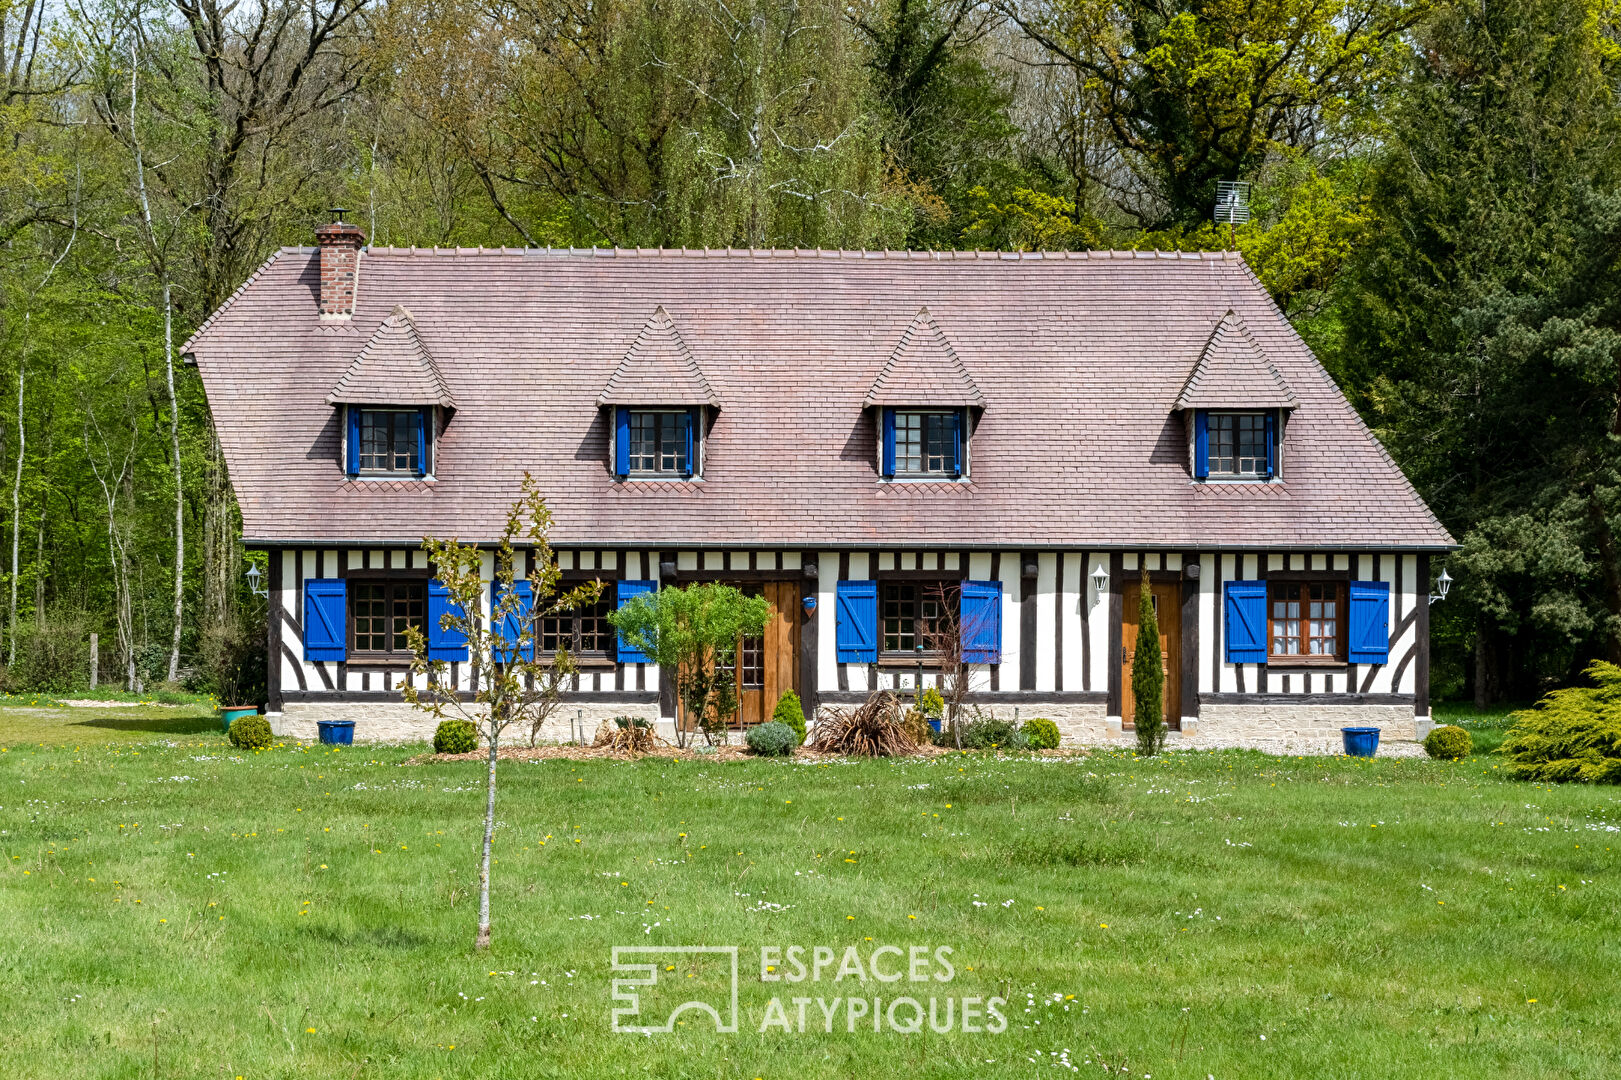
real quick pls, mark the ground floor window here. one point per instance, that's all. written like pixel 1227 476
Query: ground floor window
pixel 380 612
pixel 914 613
pixel 583 633
pixel 1305 620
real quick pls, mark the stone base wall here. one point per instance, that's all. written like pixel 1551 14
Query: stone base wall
pixel 1277 728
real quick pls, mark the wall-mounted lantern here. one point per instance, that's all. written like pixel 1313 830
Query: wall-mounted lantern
pixel 253 581
pixel 1444 584
pixel 1100 579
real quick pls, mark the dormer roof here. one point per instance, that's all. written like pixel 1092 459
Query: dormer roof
pixel 395 368
pixel 658 369
pixel 1234 373
pixel 924 370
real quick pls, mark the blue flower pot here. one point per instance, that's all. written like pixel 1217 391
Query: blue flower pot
pixel 336 732
pixel 935 724
pixel 228 713
pixel 1360 741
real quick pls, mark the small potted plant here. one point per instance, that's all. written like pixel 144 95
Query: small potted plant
pixel 932 705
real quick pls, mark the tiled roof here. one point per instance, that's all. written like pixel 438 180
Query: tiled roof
pixel 924 370
pixel 1234 373
pixel 1080 357
pixel 658 369
pixel 394 368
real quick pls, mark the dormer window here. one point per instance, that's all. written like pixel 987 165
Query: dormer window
pixel 393 441
pixel 925 398
pixel 657 444
pixel 392 400
pixel 1240 445
pixel 923 443
pixel 1235 403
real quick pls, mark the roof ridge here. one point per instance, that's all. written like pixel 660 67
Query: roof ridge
pixel 937 255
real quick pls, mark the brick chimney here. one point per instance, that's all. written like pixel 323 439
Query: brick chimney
pixel 340 268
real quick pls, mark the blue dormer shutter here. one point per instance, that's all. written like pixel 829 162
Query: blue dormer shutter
pixel 621 442
pixel 1201 444
pixel 352 459
pixel 980 614
pixel 444 643
pixel 628 591
pixel 888 437
pixel 325 623
pixel 1246 622
pixel 419 428
pixel 856 621
pixel 511 628
pixel 692 442
pixel 956 444
pixel 1271 443
pixel 1370 622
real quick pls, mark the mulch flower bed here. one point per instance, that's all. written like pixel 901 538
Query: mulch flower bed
pixel 691 753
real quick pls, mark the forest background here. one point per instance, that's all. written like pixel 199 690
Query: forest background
pixel 1436 196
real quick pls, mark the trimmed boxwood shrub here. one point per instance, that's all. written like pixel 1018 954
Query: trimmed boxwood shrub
pixel 789 711
pixel 250 733
pixel 455 737
pixel 1572 734
pixel 771 739
pixel 986 733
pixel 1042 734
pixel 1449 741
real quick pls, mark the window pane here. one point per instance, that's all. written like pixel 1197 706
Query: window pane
pixel 941 443
pixel 388 441
pixel 374 449
pixel 658 442
pixel 1286 620
pixel 594 628
pixel 1221 444
pixel 409 599
pixel 370 606
pixel 900 617
pixel 908 442
pixel 1251 444
pixel 1323 628
pixel 556 632
pixel 1237 444
pixel 643 442
pixel 925 443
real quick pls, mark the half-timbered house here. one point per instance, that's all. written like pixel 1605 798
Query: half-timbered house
pixel 843 432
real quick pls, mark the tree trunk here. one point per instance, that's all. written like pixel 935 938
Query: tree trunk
pixel 483 940
pixel 179 487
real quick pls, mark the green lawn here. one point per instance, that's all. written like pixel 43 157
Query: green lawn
pixel 177 909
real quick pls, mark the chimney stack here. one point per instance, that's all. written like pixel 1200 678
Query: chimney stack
pixel 340 266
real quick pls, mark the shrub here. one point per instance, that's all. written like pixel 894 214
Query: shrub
pixel 932 704
pixel 627 734
pixel 1148 676
pixel 1449 741
pixel 1042 734
pixel 875 728
pixel 250 733
pixel 789 711
pixel 987 731
pixel 1572 734
pixel 917 727
pixel 455 737
pixel 772 739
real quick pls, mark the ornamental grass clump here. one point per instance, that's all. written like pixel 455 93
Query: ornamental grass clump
pixel 455 737
pixel 875 728
pixel 627 735
pixel 771 739
pixel 250 733
pixel 1571 734
pixel 789 711
pixel 1449 742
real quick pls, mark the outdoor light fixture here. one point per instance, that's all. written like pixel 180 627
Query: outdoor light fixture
pixel 1444 583
pixel 1100 578
pixel 253 581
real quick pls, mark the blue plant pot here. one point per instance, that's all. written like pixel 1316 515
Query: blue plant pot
pixel 229 713
pixel 336 732
pixel 1360 741
pixel 935 724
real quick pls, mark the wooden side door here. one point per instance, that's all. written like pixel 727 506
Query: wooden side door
pixel 768 665
pixel 1167 601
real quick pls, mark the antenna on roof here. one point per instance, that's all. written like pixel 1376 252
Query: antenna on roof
pixel 337 213
pixel 1232 206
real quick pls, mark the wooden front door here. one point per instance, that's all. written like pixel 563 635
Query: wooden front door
pixel 769 664
pixel 1168 611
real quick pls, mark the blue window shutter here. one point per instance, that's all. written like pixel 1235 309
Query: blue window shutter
pixel 622 442
pixel 1246 622
pixel 443 643
pixel 956 445
pixel 1370 622
pixel 1271 444
pixel 980 615
pixel 692 441
pixel 856 621
pixel 420 423
pixel 889 441
pixel 1201 444
pixel 325 623
pixel 628 591
pixel 352 459
pixel 511 628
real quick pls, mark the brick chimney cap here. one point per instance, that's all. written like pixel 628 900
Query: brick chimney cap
pixel 339 231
